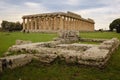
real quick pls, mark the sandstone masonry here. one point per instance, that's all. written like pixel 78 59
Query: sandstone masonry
pixel 53 22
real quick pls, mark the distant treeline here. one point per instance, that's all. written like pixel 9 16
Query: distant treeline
pixel 11 26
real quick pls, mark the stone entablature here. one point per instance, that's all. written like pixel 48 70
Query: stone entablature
pixel 57 21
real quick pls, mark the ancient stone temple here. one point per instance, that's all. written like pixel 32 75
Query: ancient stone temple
pixel 48 22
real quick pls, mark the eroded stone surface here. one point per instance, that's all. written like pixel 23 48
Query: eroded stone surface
pixel 47 52
pixel 95 54
pixel 19 42
pixel 15 61
pixel 68 36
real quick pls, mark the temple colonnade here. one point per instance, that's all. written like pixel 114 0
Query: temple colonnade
pixel 56 21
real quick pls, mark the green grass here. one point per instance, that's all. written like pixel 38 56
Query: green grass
pixel 8 39
pixel 59 70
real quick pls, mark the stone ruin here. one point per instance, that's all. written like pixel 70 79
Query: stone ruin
pixel 65 48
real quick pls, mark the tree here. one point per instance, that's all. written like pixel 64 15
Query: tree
pixel 11 26
pixel 115 25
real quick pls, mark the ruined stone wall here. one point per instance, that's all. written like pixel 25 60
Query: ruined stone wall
pixel 56 21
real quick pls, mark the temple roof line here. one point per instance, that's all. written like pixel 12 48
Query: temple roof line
pixel 58 14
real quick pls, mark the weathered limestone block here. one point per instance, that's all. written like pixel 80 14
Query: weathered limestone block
pixel 69 36
pixel 69 56
pixel 111 44
pixel 17 60
pixel 19 42
pixel 45 58
pixel 75 46
pixel 95 54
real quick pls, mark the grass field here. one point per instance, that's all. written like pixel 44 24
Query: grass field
pixel 59 70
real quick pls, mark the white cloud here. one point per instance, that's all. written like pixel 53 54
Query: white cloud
pixel 103 16
pixel 31 4
pixel 103 12
pixel 12 12
pixel 72 2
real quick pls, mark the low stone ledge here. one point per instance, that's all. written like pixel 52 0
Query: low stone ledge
pixel 15 61
pixel 75 46
pixel 95 54
pixel 19 42
pixel 45 58
pixel 69 56
pixel 92 40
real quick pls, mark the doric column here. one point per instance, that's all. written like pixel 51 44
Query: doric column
pixel 38 23
pixel 47 23
pixel 65 20
pixel 35 23
pixel 67 23
pixel 44 22
pixel 41 23
pixel 78 24
pixel 32 24
pixel 23 23
pixel 73 26
pixel 69 27
pixel 55 22
pixel 70 23
pixel 50 23
pixel 28 24
pixel 60 23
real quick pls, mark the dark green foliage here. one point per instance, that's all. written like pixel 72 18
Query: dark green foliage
pixel 115 25
pixel 11 26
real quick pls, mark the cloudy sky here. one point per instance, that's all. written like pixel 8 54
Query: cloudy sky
pixel 102 11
